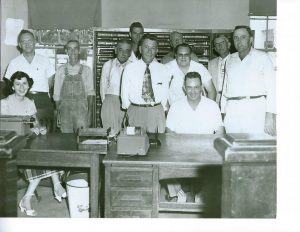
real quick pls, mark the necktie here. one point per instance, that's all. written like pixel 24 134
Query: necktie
pixel 223 82
pixel 147 91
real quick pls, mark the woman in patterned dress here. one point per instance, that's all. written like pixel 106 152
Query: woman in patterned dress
pixel 18 104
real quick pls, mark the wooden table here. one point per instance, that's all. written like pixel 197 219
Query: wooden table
pixel 60 150
pixel 132 184
pixel 238 173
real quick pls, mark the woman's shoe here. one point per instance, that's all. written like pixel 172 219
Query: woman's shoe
pixel 29 212
pixel 57 195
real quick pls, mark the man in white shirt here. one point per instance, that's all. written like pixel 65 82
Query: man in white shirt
pixel 194 114
pixel 176 38
pixel 39 68
pixel 216 67
pixel 136 32
pixel 111 112
pixel 179 67
pixel 250 89
pixel 144 88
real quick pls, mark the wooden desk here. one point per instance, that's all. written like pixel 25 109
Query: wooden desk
pixel 8 177
pixel 132 186
pixel 60 150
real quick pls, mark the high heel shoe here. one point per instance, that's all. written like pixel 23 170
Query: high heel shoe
pixel 56 195
pixel 29 212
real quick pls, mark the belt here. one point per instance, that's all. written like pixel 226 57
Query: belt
pixel 36 92
pixel 146 105
pixel 245 97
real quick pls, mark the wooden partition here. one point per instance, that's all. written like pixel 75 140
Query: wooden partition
pixel 248 176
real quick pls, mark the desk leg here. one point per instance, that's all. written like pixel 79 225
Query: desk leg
pixel 94 186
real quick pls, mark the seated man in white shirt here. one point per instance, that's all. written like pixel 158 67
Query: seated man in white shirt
pixel 144 89
pixel 194 114
pixel 111 112
pixel 179 67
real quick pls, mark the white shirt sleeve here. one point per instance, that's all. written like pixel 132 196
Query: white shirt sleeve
pixel 104 75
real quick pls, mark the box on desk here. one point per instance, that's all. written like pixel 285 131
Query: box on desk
pixel 93 139
pixel 19 124
pixel 133 142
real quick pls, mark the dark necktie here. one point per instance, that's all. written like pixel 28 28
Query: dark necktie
pixel 147 91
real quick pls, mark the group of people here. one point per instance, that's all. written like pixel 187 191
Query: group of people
pixel 31 78
pixel 236 94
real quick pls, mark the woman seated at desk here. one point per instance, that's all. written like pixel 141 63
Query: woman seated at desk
pixel 18 104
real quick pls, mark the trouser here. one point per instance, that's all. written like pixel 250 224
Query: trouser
pixel 245 116
pixel 152 119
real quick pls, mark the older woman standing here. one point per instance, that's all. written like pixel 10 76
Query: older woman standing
pixel 18 104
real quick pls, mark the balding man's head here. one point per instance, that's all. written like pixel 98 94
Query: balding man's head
pixel 176 38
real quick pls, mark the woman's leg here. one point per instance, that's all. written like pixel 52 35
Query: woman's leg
pixel 59 191
pixel 25 202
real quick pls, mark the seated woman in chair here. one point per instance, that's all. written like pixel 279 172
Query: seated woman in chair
pixel 18 104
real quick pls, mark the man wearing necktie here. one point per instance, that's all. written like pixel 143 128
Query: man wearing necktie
pixel 144 88
pixel 216 68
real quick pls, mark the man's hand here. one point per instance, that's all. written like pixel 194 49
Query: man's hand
pixel 270 123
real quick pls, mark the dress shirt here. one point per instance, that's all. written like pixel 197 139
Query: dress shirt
pixel 205 119
pixel 252 76
pixel 40 69
pixel 177 78
pixel 111 77
pixel 216 69
pixel 87 79
pixel 132 83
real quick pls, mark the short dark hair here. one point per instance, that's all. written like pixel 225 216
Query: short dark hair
pixel 193 75
pixel 22 32
pixel 185 45
pixel 124 41
pixel 150 37
pixel 19 75
pixel 247 28
pixel 135 24
pixel 72 41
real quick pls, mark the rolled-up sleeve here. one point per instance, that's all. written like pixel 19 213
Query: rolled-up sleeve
pixel 58 81
pixel 90 90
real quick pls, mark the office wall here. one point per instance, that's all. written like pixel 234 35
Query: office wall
pixel 11 9
pixel 188 14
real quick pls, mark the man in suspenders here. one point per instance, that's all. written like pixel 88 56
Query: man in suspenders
pixel 73 92
pixel 216 68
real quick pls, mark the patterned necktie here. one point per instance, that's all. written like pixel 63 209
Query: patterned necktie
pixel 147 91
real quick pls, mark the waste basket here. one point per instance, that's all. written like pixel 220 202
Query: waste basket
pixel 78 195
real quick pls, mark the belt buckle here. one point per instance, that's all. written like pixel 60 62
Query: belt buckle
pixel 247 97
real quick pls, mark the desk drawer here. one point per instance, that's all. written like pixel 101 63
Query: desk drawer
pixel 132 198
pixel 131 177
pixel 131 214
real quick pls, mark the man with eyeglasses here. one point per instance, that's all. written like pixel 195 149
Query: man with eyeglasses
pixel 250 88
pixel 216 67
pixel 179 67
pixel 40 69
pixel 74 92
pixel 176 38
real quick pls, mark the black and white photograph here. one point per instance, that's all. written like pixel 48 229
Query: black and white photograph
pixel 163 115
